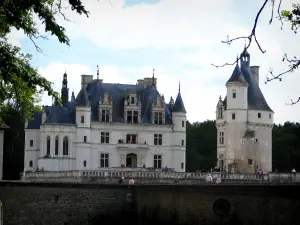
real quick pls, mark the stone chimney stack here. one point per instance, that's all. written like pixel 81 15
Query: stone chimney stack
pixel 255 73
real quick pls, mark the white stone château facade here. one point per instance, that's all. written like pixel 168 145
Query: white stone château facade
pixel 244 122
pixel 108 125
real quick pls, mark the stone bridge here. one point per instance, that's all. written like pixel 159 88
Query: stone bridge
pixel 79 203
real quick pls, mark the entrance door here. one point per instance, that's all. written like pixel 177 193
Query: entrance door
pixel 131 160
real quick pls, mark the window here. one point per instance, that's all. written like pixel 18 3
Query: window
pixel 132 116
pixel 250 162
pixel 84 139
pixel 233 94
pixel 157 162
pixel 182 123
pixel 220 113
pixel 221 162
pixel 221 137
pixel 82 119
pixel 257 166
pixel 158 118
pixel 105 115
pixel 182 166
pixel 66 146
pixel 157 139
pixel 56 146
pixel 104 160
pixel 182 142
pixel 270 116
pixel 131 138
pixel 259 115
pixel 104 137
pixel 31 143
pixel 30 163
pixel 233 116
pixel 84 163
pixel 132 100
pixel 48 146
pixel 256 140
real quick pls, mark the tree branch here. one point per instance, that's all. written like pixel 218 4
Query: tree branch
pixel 250 37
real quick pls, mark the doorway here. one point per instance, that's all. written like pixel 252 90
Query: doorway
pixel 131 160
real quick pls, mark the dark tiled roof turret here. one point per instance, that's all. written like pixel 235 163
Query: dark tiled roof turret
pixel 82 98
pixel 256 99
pixel 237 75
pixel 179 106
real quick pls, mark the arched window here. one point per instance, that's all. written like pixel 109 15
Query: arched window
pixel 66 146
pixel 56 145
pixel 48 145
pixel 233 93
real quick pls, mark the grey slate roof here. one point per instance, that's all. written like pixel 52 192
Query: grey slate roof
pixel 256 99
pixel 82 98
pixel 179 106
pixel 93 94
pixel 237 75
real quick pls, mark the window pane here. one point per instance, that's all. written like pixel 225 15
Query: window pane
pixel 159 157
pixel 106 162
pixel 159 163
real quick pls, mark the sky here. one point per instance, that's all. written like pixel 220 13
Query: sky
pixel 180 39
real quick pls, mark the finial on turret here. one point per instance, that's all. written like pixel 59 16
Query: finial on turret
pixel 220 98
pixel 97 73
pixel 179 87
pixel 153 79
pixel 237 58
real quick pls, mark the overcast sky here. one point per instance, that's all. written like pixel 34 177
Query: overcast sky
pixel 180 39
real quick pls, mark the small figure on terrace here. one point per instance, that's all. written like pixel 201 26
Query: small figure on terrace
pixel 131 181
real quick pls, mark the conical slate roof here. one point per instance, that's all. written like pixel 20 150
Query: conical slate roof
pixel 237 75
pixel 179 106
pixel 256 100
pixel 82 98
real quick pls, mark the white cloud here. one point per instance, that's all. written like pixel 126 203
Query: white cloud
pixel 15 36
pixel 190 23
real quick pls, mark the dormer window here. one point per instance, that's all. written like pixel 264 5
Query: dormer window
pixel 259 115
pixel 132 116
pixel 105 115
pixel 82 119
pixel 158 118
pixel 220 113
pixel 233 93
pixel 270 116
pixel 132 100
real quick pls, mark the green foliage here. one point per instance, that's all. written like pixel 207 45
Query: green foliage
pixel 21 84
pixel 201 145
pixel 293 17
pixel 201 150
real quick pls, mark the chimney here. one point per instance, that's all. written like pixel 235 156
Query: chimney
pixel 85 80
pixel 255 73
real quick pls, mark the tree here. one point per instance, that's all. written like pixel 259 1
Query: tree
pixel 201 153
pixel 292 18
pixel 19 82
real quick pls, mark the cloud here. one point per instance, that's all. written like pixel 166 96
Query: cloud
pixel 194 28
pixel 15 36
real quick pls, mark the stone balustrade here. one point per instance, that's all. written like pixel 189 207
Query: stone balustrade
pixel 157 177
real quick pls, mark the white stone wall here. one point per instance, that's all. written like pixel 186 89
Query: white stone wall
pixel 236 147
pixel 171 150
pixel 32 152
pixel 240 101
